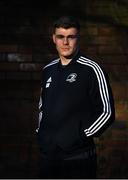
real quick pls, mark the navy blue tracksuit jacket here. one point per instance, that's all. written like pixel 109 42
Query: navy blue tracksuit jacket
pixel 76 104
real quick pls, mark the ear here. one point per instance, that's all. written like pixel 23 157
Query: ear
pixel 53 38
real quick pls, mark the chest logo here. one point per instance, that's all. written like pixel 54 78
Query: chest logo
pixel 71 77
pixel 48 82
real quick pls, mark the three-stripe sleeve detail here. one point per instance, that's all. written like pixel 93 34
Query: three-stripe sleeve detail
pixel 40 112
pixel 103 118
pixel 40 100
pixel 52 63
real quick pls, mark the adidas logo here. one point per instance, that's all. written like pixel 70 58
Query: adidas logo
pixel 48 82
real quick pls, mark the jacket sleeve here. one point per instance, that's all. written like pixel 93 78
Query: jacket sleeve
pixel 40 103
pixel 102 103
pixel 40 111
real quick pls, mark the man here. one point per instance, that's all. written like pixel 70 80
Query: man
pixel 76 104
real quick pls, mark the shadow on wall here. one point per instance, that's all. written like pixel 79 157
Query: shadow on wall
pixel 112 151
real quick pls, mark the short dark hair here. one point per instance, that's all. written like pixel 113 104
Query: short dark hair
pixel 66 22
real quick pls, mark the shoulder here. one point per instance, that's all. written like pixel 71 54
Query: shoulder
pixel 90 64
pixel 94 68
pixel 52 63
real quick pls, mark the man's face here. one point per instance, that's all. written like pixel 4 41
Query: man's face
pixel 66 41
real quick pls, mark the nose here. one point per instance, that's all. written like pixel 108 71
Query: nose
pixel 65 40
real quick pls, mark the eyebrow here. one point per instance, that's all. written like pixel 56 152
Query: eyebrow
pixel 72 36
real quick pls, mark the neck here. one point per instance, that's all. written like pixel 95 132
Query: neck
pixel 65 61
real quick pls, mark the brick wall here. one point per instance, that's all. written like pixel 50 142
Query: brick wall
pixel 25 48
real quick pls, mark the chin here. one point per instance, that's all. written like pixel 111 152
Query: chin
pixel 68 56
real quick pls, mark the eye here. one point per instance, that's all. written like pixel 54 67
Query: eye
pixel 59 36
pixel 72 36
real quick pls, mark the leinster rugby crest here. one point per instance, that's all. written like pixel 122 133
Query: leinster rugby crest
pixel 71 77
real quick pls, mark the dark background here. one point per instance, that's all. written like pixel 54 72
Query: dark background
pixel 26 46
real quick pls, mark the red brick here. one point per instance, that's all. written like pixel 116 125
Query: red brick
pixel 108 49
pixel 24 50
pixel 8 48
pixel 122 110
pixel 29 67
pixel 6 66
pixel 90 50
pixel 119 91
pixel 106 30
pixel 17 57
pixel 92 30
pixel 106 40
pixel 114 59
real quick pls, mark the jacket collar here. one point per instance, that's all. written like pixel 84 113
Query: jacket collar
pixel 76 57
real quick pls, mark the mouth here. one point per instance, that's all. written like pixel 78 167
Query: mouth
pixel 65 49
